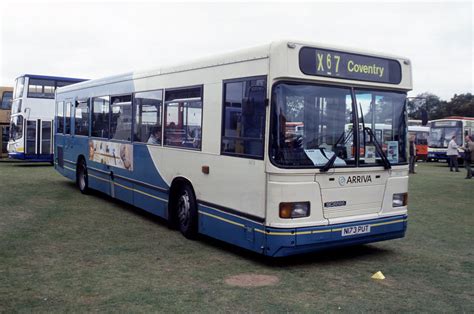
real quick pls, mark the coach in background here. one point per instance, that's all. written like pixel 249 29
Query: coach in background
pixel 468 156
pixel 453 154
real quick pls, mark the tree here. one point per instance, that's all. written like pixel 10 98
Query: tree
pixel 459 105
pixel 425 101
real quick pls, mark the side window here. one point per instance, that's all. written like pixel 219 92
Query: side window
pixel 40 88
pixel 100 117
pixel 148 112
pixel 243 121
pixel 183 112
pixel 81 118
pixel 121 117
pixel 68 114
pixel 60 117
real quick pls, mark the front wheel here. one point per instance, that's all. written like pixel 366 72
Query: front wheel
pixel 186 212
pixel 82 179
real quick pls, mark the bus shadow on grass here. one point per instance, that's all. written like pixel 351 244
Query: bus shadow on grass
pixel 322 257
pixel 29 164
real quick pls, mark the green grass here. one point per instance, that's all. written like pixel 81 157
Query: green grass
pixel 64 251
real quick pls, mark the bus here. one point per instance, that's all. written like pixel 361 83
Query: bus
pixel 6 94
pixel 212 147
pixel 421 134
pixel 32 114
pixel 441 132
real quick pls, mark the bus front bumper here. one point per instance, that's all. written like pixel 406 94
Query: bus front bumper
pixel 31 157
pixel 437 155
pixel 285 242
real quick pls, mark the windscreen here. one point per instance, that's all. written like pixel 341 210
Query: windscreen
pixel 312 123
pixel 16 106
pixel 16 128
pixel 440 136
pixel 383 114
pixel 19 87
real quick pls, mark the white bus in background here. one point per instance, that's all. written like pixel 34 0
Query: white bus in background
pixel 441 132
pixel 250 147
pixel 32 114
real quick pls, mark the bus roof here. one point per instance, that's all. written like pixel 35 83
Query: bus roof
pixel 56 78
pixel 248 54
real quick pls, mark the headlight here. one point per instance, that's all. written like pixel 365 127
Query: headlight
pixel 294 210
pixel 400 199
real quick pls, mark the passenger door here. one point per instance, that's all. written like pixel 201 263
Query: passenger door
pixel 31 138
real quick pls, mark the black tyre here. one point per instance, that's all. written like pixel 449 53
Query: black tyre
pixel 82 180
pixel 186 212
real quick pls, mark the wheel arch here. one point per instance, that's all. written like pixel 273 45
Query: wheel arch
pixel 176 184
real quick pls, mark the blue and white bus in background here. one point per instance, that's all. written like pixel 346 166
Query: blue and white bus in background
pixel 211 145
pixel 441 132
pixel 32 114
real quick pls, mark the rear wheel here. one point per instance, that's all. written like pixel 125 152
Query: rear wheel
pixel 186 212
pixel 82 179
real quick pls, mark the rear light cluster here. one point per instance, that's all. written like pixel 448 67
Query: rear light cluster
pixel 400 199
pixel 294 210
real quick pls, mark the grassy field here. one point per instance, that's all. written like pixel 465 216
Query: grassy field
pixel 63 251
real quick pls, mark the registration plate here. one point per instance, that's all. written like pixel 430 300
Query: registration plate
pixel 349 231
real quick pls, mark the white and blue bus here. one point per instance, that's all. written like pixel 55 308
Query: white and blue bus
pixel 32 114
pixel 211 145
pixel 441 132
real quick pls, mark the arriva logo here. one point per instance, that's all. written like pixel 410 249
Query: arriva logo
pixel 354 179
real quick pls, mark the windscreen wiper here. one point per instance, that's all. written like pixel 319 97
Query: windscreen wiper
pixel 386 162
pixel 330 163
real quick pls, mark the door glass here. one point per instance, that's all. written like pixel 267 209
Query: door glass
pixel 31 137
pixel 46 137
pixel 383 115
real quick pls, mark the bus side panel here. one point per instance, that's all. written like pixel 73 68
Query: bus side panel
pixel 151 200
pixel 150 189
pixel 122 190
pixel 231 229
pixel 144 168
pixel 98 180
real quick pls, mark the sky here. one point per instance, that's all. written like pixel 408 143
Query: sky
pixel 97 39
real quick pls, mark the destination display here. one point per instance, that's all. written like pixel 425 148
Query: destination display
pixel 331 63
pixel 437 124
